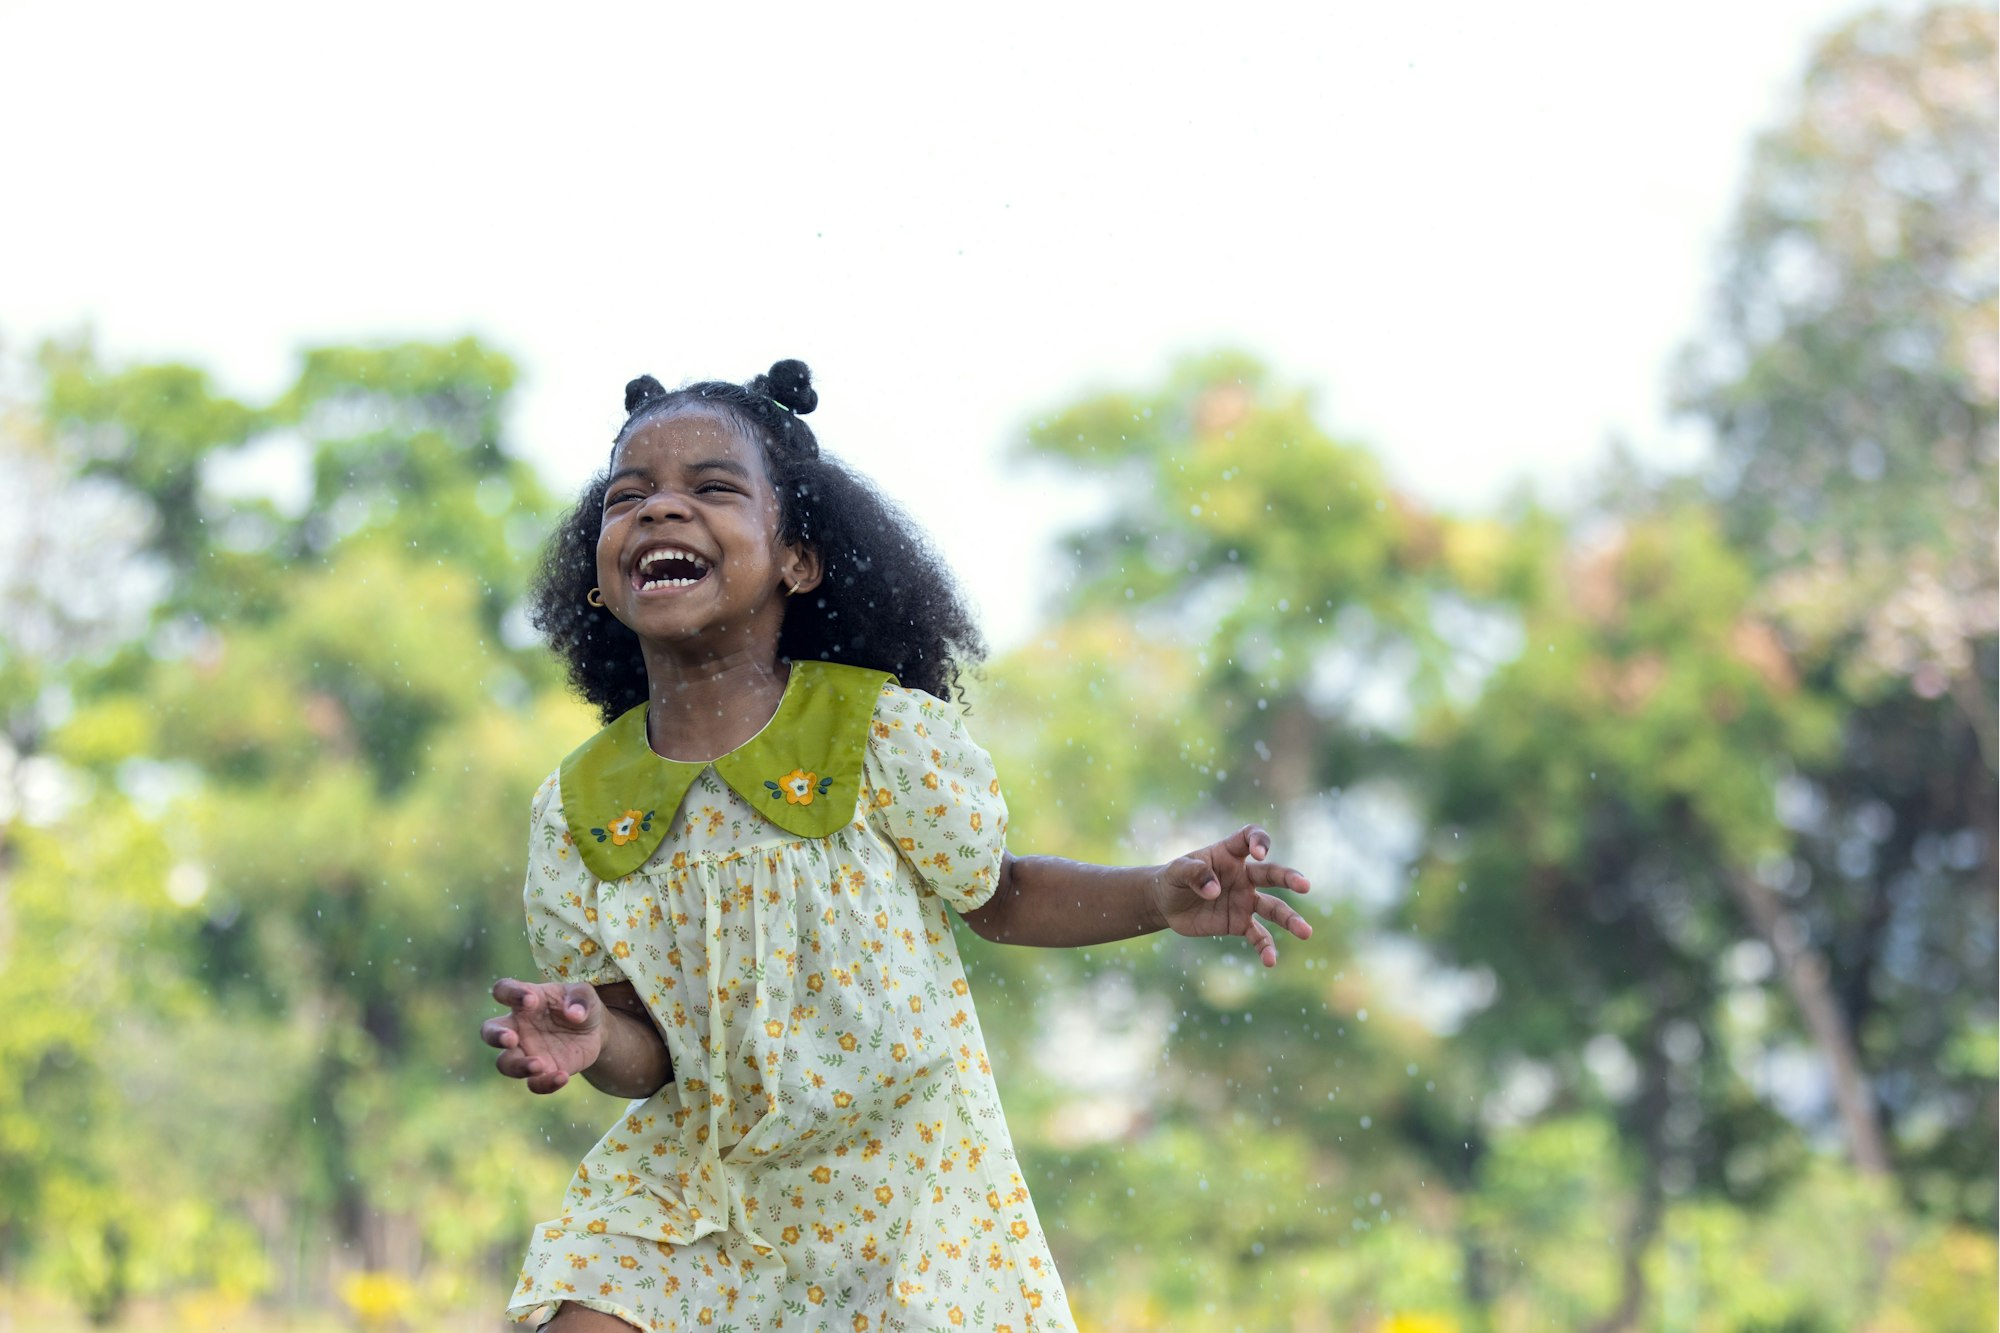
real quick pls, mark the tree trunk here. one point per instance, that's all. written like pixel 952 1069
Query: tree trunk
pixel 1805 976
pixel 1650 1114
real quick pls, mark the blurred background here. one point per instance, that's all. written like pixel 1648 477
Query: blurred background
pixel 1538 459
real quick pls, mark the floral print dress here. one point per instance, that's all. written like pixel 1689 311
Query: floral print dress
pixel 832 1152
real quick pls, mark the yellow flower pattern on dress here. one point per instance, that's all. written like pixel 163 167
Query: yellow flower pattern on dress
pixel 833 1153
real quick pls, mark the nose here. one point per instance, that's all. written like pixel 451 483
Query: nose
pixel 665 503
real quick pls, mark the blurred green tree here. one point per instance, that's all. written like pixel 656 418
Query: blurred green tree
pixel 1850 380
pixel 304 747
pixel 1591 814
pixel 1219 655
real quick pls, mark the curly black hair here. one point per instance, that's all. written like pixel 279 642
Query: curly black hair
pixel 886 598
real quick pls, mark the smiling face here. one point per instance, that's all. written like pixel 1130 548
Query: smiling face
pixel 688 554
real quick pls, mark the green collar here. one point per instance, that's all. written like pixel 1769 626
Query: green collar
pixel 802 771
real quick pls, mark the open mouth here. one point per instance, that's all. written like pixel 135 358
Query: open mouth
pixel 664 567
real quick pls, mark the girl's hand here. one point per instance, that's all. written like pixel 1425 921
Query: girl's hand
pixel 553 1030
pixel 1217 891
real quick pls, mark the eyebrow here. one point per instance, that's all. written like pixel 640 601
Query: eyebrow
pixel 730 466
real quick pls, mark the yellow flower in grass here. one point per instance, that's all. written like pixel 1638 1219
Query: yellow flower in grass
pixel 378 1300
pixel 1414 1322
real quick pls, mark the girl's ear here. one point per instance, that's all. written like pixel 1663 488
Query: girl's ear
pixel 800 569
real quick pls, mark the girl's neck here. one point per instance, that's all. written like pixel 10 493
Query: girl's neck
pixel 697 711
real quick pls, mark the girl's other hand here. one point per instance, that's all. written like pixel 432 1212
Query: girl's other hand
pixel 1218 890
pixel 553 1029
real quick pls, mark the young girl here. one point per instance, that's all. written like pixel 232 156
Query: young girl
pixel 737 894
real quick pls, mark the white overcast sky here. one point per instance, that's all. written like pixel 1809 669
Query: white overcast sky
pixel 1478 231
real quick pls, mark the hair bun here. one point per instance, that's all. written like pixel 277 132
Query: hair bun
pixel 790 383
pixel 641 391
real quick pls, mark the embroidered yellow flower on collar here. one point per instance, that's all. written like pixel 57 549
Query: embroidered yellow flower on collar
pixel 625 828
pixel 798 787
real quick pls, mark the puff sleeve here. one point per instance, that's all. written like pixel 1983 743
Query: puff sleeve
pixel 932 792
pixel 560 898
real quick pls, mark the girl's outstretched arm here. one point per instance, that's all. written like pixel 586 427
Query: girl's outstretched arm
pixel 555 1029
pixel 1216 890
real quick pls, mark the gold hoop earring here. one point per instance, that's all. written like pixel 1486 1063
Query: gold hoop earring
pixel 595 597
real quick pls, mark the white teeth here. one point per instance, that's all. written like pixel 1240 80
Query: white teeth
pixel 667 583
pixel 655 557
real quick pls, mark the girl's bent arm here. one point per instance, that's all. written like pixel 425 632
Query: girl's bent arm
pixel 634 1061
pixel 1216 890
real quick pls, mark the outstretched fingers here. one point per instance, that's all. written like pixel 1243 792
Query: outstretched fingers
pixel 546 1080
pixel 1271 875
pixel 1260 940
pixel 516 994
pixel 512 1060
pixel 1281 913
pixel 515 1062
pixel 1250 843
pixel 524 998
pixel 540 1011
